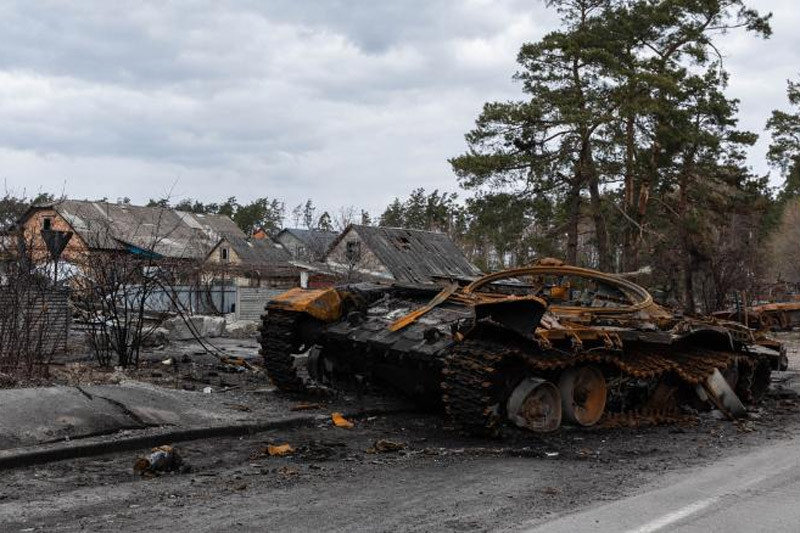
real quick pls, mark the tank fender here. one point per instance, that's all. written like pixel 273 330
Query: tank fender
pixel 519 314
pixel 322 304
pixel 708 336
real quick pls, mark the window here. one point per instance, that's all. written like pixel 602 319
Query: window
pixel 47 223
pixel 353 253
pixel 402 243
pixel 223 253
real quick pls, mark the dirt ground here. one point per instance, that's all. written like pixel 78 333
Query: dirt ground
pixel 335 480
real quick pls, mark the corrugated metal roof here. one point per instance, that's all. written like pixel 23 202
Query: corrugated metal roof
pixel 316 241
pixel 167 232
pixel 258 252
pixel 258 257
pixel 415 256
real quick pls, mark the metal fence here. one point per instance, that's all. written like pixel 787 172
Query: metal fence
pixel 194 300
pixel 246 302
pixel 34 321
pixel 250 302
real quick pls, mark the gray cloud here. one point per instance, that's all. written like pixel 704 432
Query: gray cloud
pixel 345 102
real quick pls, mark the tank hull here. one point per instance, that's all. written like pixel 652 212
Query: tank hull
pixel 469 350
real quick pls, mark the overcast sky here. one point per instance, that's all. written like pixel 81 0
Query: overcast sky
pixel 343 101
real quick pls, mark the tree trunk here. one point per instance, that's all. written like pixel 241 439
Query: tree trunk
pixel 688 251
pixel 642 203
pixel 688 285
pixel 574 213
pixel 630 147
pixel 601 230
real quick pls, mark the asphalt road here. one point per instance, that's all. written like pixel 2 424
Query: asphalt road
pixel 759 491
pixel 710 475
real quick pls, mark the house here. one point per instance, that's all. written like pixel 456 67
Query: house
pixel 398 254
pixel 103 227
pixel 260 234
pixel 211 258
pixel 253 263
pixel 306 244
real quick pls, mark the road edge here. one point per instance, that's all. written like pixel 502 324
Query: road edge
pixel 93 446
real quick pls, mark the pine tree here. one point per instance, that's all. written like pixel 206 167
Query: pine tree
pixel 784 152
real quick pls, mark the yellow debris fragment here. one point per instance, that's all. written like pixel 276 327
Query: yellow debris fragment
pixel 280 450
pixel 340 421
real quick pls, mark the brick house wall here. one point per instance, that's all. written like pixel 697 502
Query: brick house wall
pixel 50 219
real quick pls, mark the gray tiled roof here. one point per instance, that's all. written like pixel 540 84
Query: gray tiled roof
pixel 167 232
pixel 416 256
pixel 258 252
pixel 316 241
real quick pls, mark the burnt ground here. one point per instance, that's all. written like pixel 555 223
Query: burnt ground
pixel 439 480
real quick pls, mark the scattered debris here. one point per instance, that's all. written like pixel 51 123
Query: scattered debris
pixel 280 450
pixel 306 407
pixel 745 426
pixel 241 329
pixel 288 472
pixel 273 450
pixel 161 459
pixel 773 316
pixel 586 453
pixel 341 422
pixel 184 328
pixel 386 446
pixel 237 362
pixel 323 451
pixel 716 389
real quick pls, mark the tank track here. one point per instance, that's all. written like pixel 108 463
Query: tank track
pixel 472 389
pixel 278 343
pixel 473 383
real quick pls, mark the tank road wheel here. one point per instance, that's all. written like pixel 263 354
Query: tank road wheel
pixel 535 405
pixel 583 395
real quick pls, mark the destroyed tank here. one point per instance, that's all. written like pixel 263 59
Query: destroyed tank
pixel 533 346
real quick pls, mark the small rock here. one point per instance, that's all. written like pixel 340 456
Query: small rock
pixel 386 446
pixel 241 329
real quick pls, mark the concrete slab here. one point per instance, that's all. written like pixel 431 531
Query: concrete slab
pixel 33 416
pixel 154 406
pixel 50 414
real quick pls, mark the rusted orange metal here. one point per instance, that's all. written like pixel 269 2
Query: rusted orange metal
pixel 583 395
pixel 770 316
pixel 641 300
pixel 322 304
pixel 601 338
pixel 413 316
